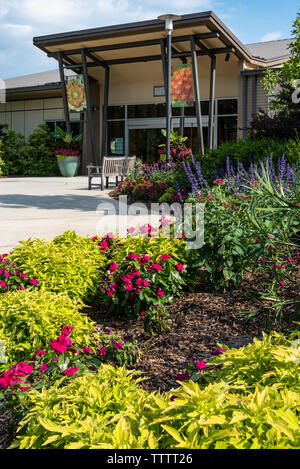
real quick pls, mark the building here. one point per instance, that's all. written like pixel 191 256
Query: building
pixel 124 72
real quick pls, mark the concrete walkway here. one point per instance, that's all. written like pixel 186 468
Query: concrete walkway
pixel 46 207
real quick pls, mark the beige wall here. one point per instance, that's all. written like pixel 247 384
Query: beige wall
pixel 25 116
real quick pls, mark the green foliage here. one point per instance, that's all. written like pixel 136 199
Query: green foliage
pixel 30 319
pixel 34 158
pixel 70 264
pixel 68 138
pixel 248 149
pixel 290 69
pixel 39 160
pixel 13 152
pixel 168 196
pixel 112 348
pixel 252 402
pixel 2 165
pixel 97 411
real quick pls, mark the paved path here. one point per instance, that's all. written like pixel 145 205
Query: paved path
pixel 46 207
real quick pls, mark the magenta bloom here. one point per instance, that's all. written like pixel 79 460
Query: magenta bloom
pixel 113 266
pixel 66 330
pixel 160 292
pixel 219 351
pixel 179 267
pixel 34 282
pixel 87 350
pixel 157 267
pixel 39 352
pixel 71 371
pixel 219 181
pixel 43 367
pixel 165 257
pixel 201 365
pixel 131 230
pixel 118 345
pixel 103 351
pixel 143 313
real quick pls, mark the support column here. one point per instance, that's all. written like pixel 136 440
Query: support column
pixel 182 121
pixel 245 106
pixel 89 106
pixel 254 95
pixel 105 111
pixel 168 96
pixel 197 95
pixel 164 63
pixel 212 102
pixel 64 92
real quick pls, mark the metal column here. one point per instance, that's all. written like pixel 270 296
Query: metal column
pixel 212 102
pixel 168 96
pixel 104 115
pixel 197 95
pixel 89 105
pixel 64 92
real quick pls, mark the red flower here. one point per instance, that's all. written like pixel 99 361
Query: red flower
pixel 71 371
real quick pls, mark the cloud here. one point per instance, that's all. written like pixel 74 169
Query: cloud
pixel 272 36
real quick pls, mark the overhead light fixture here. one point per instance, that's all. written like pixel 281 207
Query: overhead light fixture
pixel 227 57
pixel 169 19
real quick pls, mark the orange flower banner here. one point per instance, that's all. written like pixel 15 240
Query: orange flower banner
pixel 76 93
pixel 182 91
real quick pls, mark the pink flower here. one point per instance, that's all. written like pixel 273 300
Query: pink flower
pixel 131 230
pixel 200 365
pixel 34 282
pixel 55 359
pixel 219 351
pixel 261 259
pixel 103 351
pixel 132 256
pixel 165 221
pixel 281 284
pixel 60 344
pixel 118 345
pixel 143 313
pixel 165 257
pixel 7 274
pixel 160 292
pixel 128 286
pixel 156 267
pixel 66 330
pixel 87 350
pixel 179 267
pixel 39 352
pixel 71 371
pixel 113 266
pixel 21 288
pixel 43 367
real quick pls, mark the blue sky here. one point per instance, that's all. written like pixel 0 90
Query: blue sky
pixel 21 20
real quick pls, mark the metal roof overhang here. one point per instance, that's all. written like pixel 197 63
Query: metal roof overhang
pixel 141 42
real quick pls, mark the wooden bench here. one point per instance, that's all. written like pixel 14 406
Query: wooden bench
pixel 112 167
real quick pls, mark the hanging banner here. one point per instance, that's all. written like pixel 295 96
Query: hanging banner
pixel 182 91
pixel 76 93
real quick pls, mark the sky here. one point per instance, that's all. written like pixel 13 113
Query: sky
pixel 21 20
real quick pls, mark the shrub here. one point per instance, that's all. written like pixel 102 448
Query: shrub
pixel 249 149
pixel 11 278
pixel 13 152
pixel 39 160
pixel 113 348
pixel 30 319
pixel 251 403
pixel 2 165
pixel 70 264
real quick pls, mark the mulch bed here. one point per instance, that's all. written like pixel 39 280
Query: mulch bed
pixel 200 321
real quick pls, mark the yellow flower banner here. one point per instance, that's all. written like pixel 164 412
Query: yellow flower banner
pixel 182 91
pixel 76 93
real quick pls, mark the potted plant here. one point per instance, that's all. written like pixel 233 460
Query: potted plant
pixel 68 156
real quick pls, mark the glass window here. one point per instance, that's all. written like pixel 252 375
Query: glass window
pixel 116 112
pixel 227 129
pixel 145 111
pixel 227 106
pixel 115 138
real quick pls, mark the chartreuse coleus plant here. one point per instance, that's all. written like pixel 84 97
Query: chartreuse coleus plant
pixel 251 409
pixel 70 264
pixel 30 319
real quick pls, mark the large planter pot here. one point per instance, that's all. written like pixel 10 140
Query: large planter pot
pixel 69 166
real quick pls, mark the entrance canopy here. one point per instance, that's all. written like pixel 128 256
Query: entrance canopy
pixel 101 52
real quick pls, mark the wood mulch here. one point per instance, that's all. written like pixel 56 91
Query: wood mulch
pixel 201 321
